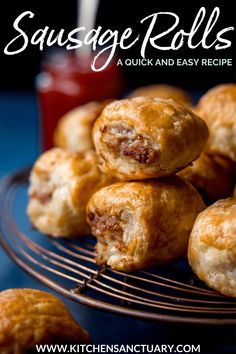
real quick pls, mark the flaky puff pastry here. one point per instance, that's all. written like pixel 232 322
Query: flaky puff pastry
pixel 213 176
pixel 61 184
pixel 163 91
pixel 29 317
pixel 143 138
pixel 144 223
pixel 212 246
pixel 218 108
pixel 74 130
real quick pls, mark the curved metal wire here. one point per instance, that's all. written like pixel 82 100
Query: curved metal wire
pixel 69 268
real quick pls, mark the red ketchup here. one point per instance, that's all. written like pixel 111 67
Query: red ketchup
pixel 67 81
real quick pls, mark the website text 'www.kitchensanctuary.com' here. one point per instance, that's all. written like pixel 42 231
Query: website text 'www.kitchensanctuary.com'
pixel 117 348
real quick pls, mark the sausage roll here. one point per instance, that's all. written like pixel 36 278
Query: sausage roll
pixel 30 317
pixel 61 184
pixel 212 246
pixel 74 130
pixel 163 91
pixel 212 175
pixel 218 108
pixel 143 223
pixel 143 138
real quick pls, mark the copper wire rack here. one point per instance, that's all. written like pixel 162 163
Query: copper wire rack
pixel 168 293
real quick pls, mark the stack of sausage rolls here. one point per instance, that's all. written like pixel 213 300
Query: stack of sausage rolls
pixel 136 173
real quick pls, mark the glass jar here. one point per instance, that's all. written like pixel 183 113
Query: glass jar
pixel 67 81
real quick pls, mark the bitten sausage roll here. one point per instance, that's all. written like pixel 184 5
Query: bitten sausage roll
pixel 143 138
pixel 163 91
pixel 144 223
pixel 30 317
pixel 212 246
pixel 74 130
pixel 61 184
pixel 213 176
pixel 218 108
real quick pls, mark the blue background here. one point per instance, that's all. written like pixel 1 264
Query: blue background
pixel 19 146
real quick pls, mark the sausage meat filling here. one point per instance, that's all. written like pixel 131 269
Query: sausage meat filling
pixel 42 197
pixel 127 142
pixel 109 234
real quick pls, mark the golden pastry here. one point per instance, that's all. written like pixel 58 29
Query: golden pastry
pixel 163 91
pixel 30 317
pixel 218 108
pixel 61 184
pixel 143 138
pixel 212 175
pixel 212 246
pixel 74 130
pixel 144 223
